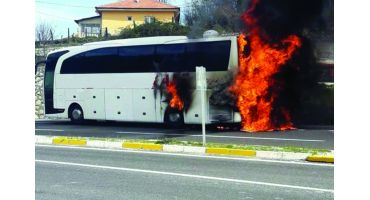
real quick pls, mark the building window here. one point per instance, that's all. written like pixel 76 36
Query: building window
pixel 95 30
pixel 129 18
pixel 90 29
pixel 148 19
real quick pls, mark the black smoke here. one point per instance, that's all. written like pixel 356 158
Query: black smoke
pixel 279 18
pixel 298 79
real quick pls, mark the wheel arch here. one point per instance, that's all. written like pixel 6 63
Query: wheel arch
pixel 71 106
pixel 170 110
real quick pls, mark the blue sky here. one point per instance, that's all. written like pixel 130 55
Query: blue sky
pixel 61 13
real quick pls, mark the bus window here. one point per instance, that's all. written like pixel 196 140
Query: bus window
pixel 103 60
pixel 135 59
pixel 214 56
pixel 172 58
pixel 73 65
pixel 96 61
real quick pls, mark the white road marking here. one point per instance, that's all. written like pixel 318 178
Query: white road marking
pixel 220 136
pixel 186 175
pixel 152 133
pixel 55 130
pixel 141 133
pixel 51 120
pixel 188 155
pixel 260 138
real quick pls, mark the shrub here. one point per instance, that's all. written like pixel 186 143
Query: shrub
pixel 156 28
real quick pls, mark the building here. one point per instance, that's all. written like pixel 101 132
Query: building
pixel 90 26
pixel 125 13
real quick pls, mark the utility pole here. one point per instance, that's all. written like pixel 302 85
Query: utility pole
pixel 51 35
pixel 68 36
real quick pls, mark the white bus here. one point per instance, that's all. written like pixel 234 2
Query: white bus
pixel 113 80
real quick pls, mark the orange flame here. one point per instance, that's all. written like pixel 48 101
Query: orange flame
pixel 175 101
pixel 254 79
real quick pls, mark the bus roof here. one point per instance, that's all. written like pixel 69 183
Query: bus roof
pixel 141 41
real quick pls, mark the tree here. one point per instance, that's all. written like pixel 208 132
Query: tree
pixel 224 17
pixel 44 32
pixel 155 28
pixel 220 15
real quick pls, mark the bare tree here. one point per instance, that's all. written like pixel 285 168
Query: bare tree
pixel 220 15
pixel 44 32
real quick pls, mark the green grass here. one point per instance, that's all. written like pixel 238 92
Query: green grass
pixel 107 139
pixel 294 149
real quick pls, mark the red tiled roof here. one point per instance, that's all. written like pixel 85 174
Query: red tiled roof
pixel 137 4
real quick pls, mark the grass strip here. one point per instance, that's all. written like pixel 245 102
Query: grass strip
pixel 294 149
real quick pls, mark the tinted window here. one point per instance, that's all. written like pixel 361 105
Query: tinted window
pixel 172 58
pixel 95 61
pixel 73 64
pixel 101 61
pixel 214 56
pixel 111 60
pixel 136 59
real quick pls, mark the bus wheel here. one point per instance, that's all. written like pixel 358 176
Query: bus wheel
pixel 76 114
pixel 174 118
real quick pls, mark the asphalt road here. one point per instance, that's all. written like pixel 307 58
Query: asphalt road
pixel 85 173
pixel 312 138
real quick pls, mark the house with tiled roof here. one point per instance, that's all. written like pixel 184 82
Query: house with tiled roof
pixel 125 13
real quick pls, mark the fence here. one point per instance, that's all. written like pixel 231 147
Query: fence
pixel 85 36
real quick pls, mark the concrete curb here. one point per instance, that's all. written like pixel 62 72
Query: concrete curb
pixel 87 142
pixel 281 155
pixel 233 152
pixel 67 141
pixel 142 146
pixel 321 158
pixel 104 144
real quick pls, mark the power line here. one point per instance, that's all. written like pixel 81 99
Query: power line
pixel 51 15
pixel 66 5
pixel 89 7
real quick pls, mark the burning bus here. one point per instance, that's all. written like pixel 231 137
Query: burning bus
pixel 139 80
pixel 258 77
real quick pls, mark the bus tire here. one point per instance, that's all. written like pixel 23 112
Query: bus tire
pixel 174 118
pixel 75 113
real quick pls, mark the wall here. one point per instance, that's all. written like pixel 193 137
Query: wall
pixel 43 51
pixel 39 93
pixel 116 20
